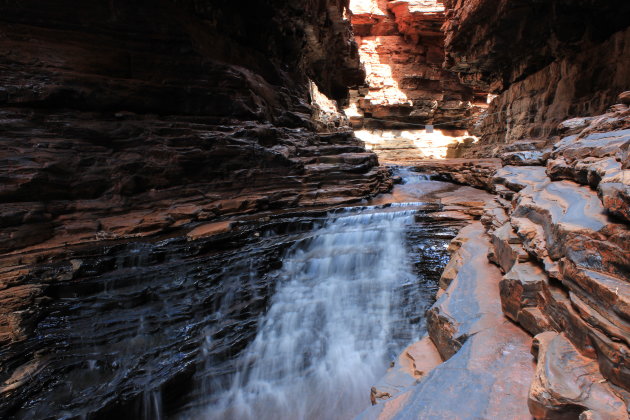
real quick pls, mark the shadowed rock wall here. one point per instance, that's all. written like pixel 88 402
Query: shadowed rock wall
pixel 131 121
pixel 548 60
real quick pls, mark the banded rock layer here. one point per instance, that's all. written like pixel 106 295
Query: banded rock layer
pixel 550 254
pixel 549 61
pixel 401 45
pixel 124 125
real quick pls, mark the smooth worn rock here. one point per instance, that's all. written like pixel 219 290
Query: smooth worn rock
pixel 564 225
pixel 597 156
pixel 516 178
pixel 568 385
pixel 488 369
pixel 566 214
pixel 414 363
pixel 467 306
pixel 566 269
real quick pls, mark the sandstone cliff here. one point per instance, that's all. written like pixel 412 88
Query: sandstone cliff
pixel 401 45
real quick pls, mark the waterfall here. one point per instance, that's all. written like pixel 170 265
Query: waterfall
pixel 331 328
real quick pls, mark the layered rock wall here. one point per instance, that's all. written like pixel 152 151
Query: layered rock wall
pixel 132 121
pixel 548 61
pixel 124 125
pixel 401 45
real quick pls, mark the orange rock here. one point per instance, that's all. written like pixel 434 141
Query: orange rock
pixel 488 369
pixel 624 97
pixel 507 248
pixel 567 384
pixel 520 289
pixel 209 229
pixel 404 76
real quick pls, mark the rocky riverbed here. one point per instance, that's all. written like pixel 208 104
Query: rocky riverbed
pixel 549 254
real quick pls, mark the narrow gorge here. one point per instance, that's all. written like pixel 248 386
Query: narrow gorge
pixel 319 209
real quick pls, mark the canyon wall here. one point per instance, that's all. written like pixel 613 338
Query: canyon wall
pixel 125 125
pixel 543 279
pixel 112 109
pixel 562 240
pixel 401 45
pixel 549 61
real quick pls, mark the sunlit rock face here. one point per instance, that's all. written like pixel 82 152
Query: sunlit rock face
pixel 401 47
pixel 548 61
pixel 408 146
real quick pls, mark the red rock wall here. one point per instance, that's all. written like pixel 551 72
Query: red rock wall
pixel 124 121
pixel 548 61
pixel 401 45
pixel 113 108
pixel 581 85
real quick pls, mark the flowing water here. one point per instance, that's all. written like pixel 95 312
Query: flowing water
pixel 293 315
pixel 349 297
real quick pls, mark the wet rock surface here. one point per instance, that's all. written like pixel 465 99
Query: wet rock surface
pixel 115 324
pixel 130 134
pixel 167 315
pixel 487 366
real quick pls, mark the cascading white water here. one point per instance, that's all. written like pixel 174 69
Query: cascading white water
pixel 328 334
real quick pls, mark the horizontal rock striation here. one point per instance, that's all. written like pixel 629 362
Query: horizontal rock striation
pixel 125 126
pixel 548 61
pixel 129 329
pixel 119 121
pixel 401 46
pixel 408 146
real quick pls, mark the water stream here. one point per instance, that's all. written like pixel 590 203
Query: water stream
pixel 292 315
pixel 349 297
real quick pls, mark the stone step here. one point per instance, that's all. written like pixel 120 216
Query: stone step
pixel 414 363
pixel 520 290
pixel 516 178
pixel 507 249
